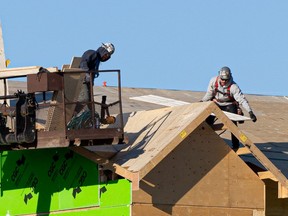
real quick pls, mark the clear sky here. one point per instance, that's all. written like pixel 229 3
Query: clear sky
pixel 164 44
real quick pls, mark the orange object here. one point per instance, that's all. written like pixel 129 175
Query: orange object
pixel 104 84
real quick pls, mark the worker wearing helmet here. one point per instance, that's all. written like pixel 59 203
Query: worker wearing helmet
pixel 90 61
pixel 228 96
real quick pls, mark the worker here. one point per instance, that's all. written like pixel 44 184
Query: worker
pixel 90 61
pixel 228 96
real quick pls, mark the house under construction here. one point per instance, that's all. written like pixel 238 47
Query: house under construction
pixel 159 157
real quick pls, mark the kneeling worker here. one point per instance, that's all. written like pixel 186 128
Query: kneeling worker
pixel 228 96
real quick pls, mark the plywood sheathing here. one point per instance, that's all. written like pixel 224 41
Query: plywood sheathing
pixel 257 153
pixel 154 134
pixel 201 172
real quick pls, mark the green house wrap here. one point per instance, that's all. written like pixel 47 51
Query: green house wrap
pixel 58 180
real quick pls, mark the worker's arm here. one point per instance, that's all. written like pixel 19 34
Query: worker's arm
pixel 210 90
pixel 239 97
pixel 85 61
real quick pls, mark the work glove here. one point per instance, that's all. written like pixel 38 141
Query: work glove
pixel 240 112
pixel 252 116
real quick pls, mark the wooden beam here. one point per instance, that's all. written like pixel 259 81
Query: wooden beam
pixel 89 155
pixel 22 71
pixel 267 175
pixel 243 151
pixel 132 176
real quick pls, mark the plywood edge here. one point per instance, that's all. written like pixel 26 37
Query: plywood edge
pixel 131 176
pixel 72 69
pixel 89 155
pixel 267 175
pixel 23 71
pixel 243 151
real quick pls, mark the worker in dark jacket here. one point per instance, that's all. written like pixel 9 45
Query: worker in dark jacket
pixel 228 96
pixel 90 61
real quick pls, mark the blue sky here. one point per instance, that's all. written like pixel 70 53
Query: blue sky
pixel 161 44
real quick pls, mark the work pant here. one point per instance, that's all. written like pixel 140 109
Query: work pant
pixel 232 108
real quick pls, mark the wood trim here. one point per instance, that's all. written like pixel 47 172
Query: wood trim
pixel 267 175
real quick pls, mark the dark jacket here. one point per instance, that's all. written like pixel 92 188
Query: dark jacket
pixel 91 60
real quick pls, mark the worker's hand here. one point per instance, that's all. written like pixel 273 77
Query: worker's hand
pixel 252 116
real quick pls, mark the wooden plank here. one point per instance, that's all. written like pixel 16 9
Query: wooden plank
pixel 243 151
pixel 164 101
pixel 266 175
pixel 75 62
pixel 235 117
pixel 23 71
pixel 89 155
pixel 159 100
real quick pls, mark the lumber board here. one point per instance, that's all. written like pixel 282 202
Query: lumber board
pixel 164 101
pixel 236 117
pixel 98 153
pixel 23 71
pixel 243 151
pixel 266 175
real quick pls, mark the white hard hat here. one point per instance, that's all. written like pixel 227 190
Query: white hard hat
pixel 109 47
